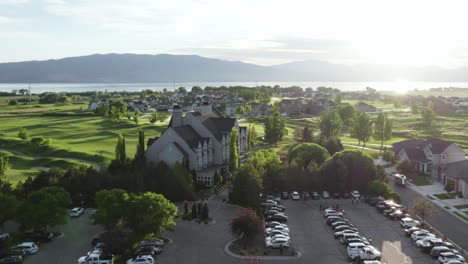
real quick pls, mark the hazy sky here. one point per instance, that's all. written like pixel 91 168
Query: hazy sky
pixel 258 31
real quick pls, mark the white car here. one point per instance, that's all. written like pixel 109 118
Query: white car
pixel 276 232
pixel 278 228
pixel 77 211
pixel 341 233
pixel 295 196
pixel 421 236
pixel 407 222
pixel 28 247
pixel 277 243
pixel 448 256
pixel 276 237
pixel 426 242
pixel 146 259
pixel 355 194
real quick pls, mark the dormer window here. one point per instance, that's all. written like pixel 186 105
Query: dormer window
pixel 444 156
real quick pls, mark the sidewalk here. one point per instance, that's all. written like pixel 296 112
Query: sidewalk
pixel 456 206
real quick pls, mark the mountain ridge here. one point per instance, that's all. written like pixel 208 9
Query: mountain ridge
pixel 128 68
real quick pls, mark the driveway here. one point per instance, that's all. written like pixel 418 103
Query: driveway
pixel 76 242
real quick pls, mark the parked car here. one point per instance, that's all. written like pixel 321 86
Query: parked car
pixel 276 232
pixel 355 194
pixel 367 253
pixel 277 243
pixel 4 236
pixel 325 195
pixel 426 242
pixel 28 247
pixel 335 195
pixel 279 228
pixel 295 196
pixel 95 259
pixel 410 230
pixel 334 219
pixel 315 195
pixel 418 236
pixel 340 234
pixel 150 250
pixel 306 195
pixel 38 236
pixel 77 211
pixel 157 242
pixel 277 208
pixel 141 260
pixel 407 222
pixel 398 214
pixel 435 251
pixel 278 236
pixel 345 195
pixel 278 217
pixel 332 213
pixel 373 200
pixel 345 227
pixel 447 256
pixel 11 260
pixel 357 240
pixel 272 224
pixel 285 195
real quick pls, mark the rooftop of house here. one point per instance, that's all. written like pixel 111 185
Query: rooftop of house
pixel 437 146
pixel 189 135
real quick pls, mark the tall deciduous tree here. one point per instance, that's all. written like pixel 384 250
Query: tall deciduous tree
pixel 275 128
pixel 427 115
pixel 111 208
pixel 247 185
pixel 362 128
pixel 136 117
pixel 8 208
pixel 423 208
pixel 4 161
pixel 45 207
pixel 233 156
pixel 330 123
pixel 382 129
pixel 305 153
pixel 120 153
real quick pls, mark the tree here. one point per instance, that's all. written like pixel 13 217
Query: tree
pixel 251 135
pixel 182 90
pixel 382 129
pixel 233 156
pixel 248 108
pixel 297 134
pixel 4 161
pixel 450 186
pixel 111 208
pixel 240 110
pixel 45 207
pixel 414 108
pixel 379 188
pixel 330 123
pixel 197 89
pixel 346 112
pixel 305 153
pixel 205 211
pixel 423 208
pixel 153 118
pixel 23 134
pixel 118 109
pixel 246 225
pixel 8 207
pixel 102 109
pixel 389 156
pixel 120 153
pixel 351 167
pixel 149 213
pixel 405 167
pixel 362 128
pixel 275 128
pixel 140 151
pixel 194 210
pixel 37 141
pixel 136 117
pixel 427 115
pixel 338 99
pixel 12 102
pixel 332 144
pixel 307 135
pixel 246 186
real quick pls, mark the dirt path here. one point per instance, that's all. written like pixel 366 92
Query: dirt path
pixel 95 165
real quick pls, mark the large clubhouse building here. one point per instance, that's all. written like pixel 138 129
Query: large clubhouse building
pixel 199 140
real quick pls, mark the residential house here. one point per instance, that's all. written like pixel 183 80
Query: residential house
pixel 199 140
pixel 430 156
pixel 291 106
pixel 457 172
pixel 365 107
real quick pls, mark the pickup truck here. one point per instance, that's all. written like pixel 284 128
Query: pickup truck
pixel 95 259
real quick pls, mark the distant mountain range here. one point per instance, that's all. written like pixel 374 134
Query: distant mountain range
pixel 134 68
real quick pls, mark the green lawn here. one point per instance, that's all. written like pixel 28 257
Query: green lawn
pixel 420 180
pixel 445 196
pixel 461 206
pixel 75 133
pixel 461 216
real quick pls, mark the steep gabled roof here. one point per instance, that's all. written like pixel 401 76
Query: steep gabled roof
pixel 189 135
pixel 416 154
pixel 219 126
pixel 437 146
pixel 406 144
pixel 458 170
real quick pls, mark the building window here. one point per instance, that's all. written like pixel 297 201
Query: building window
pixel 444 156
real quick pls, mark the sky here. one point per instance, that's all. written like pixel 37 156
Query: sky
pixel 264 32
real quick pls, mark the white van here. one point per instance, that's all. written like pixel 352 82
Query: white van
pixel 367 253
pixel 355 247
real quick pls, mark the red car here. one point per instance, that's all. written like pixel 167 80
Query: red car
pixel 345 195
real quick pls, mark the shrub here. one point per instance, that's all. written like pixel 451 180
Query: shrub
pixel 47 142
pixel 389 156
pixel 12 102
pixel 37 141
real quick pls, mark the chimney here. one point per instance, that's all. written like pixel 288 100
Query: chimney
pixel 176 115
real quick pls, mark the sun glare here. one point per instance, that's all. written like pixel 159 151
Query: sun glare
pixel 401 86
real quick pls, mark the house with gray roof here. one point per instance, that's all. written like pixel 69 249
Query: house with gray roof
pixel 199 140
pixel 431 156
pixel 457 172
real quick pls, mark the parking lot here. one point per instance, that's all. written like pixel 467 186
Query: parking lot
pixel 315 239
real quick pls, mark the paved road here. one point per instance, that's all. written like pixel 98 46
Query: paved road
pixel 455 229
pixel 76 241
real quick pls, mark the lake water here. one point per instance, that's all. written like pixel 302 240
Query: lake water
pixel 397 86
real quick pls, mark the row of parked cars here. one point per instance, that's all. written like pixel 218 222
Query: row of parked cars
pixel 275 228
pixel 358 247
pixel 322 195
pixel 443 251
pixel 29 246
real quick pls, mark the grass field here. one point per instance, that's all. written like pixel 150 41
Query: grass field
pixel 75 133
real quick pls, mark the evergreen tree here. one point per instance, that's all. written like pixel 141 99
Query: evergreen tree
pixel 3 166
pixel 120 153
pixel 233 156
pixel 140 152
pixel 275 128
